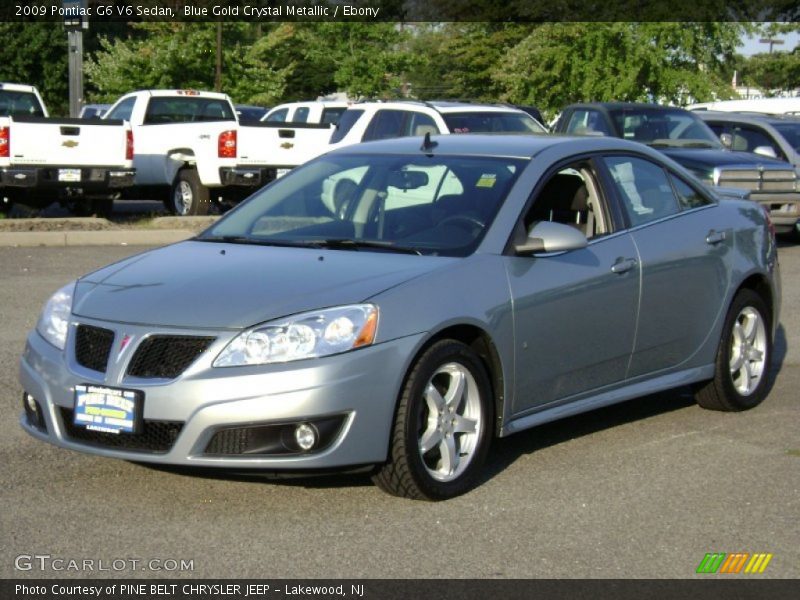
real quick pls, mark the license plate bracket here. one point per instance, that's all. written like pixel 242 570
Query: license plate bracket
pixel 108 410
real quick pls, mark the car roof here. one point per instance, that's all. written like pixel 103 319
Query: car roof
pixel 745 117
pixel 518 146
pixel 441 106
pixel 622 105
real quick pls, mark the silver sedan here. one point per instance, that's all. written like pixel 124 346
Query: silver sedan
pixel 397 305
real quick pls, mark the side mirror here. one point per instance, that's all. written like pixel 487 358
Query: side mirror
pixel 545 237
pixel 726 139
pixel 766 151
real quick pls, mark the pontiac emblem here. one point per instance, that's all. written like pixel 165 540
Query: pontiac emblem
pixel 126 339
pixel 69 143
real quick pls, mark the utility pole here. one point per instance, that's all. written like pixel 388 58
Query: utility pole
pixel 218 70
pixel 75 21
pixel 771 41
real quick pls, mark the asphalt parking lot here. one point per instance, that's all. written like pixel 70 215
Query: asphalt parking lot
pixel 640 490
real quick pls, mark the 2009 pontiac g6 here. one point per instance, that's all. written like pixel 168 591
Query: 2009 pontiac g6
pixel 401 303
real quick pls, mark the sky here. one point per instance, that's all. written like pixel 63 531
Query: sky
pixel 752 46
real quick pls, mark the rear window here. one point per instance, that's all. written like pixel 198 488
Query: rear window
pixel 349 118
pixel 184 110
pixel 331 116
pixel 19 103
pixel 492 122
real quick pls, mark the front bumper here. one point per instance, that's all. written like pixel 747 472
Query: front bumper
pixel 784 209
pixel 89 179
pixel 355 391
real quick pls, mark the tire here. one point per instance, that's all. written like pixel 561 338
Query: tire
pixel 743 359
pixel 443 426
pixel 189 197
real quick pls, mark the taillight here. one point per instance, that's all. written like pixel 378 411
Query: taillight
pixel 226 146
pixel 5 142
pixel 770 224
pixel 129 145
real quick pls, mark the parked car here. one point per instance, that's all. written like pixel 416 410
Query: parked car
pixel 538 277
pixel 80 163
pixel 326 112
pixel 186 147
pixel 247 112
pixel 684 137
pixel 773 136
pixel 274 148
pixel 93 111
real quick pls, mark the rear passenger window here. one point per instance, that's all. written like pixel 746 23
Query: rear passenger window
pixel 301 115
pixel 385 124
pixel 644 189
pixel 688 197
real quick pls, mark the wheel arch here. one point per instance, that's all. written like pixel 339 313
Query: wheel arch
pixel 481 342
pixel 759 283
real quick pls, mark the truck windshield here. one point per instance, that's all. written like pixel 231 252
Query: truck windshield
pixel 791 133
pixel 19 103
pixel 492 122
pixel 434 205
pixel 664 127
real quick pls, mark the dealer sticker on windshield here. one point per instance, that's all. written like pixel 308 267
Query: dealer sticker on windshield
pixel 108 410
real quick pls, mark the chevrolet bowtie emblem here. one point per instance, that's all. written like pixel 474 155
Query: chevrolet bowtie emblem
pixel 69 143
pixel 287 145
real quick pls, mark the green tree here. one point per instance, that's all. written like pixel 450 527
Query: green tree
pixel 560 63
pixel 459 59
pixel 36 54
pixel 773 72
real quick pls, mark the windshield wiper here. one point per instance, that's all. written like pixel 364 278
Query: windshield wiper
pixel 350 244
pixel 243 239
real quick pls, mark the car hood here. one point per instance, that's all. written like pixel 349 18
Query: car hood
pixel 710 158
pixel 232 286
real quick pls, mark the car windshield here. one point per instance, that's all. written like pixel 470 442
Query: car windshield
pixel 492 122
pixel 664 127
pixel 19 103
pixel 419 204
pixel 790 132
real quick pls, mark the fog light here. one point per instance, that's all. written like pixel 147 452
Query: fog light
pixel 31 403
pixel 306 436
pixel 33 411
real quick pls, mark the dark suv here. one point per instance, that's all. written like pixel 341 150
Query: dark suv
pixel 685 138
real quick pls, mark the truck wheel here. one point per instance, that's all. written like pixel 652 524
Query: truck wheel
pixel 189 196
pixel 443 426
pixel 743 358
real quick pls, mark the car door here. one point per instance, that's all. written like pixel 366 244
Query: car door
pixel 683 254
pixel 574 312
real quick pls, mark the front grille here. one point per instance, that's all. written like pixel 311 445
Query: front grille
pixel 156 436
pixel 166 356
pixel 755 180
pixel 93 346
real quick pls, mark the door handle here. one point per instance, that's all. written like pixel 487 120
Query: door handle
pixel 623 265
pixel 715 237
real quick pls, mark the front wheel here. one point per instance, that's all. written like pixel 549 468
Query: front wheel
pixel 443 426
pixel 742 365
pixel 189 197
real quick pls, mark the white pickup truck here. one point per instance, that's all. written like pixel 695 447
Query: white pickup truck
pixel 186 147
pixel 85 163
pixel 274 148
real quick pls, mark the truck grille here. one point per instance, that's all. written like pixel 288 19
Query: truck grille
pixel 757 180
pixel 166 356
pixel 93 346
pixel 156 436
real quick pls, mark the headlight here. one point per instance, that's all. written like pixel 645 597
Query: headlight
pixel 307 335
pixel 54 321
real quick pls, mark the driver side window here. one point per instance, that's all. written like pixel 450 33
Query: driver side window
pixel 570 196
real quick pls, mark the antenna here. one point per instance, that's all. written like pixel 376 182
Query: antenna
pixel 427 144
